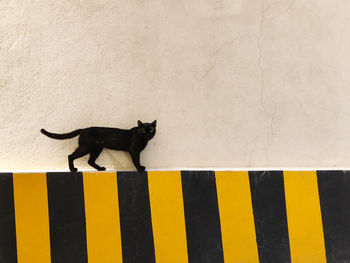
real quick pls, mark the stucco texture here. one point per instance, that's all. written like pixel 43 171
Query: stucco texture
pixel 232 83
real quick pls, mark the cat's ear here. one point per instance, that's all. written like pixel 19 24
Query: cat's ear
pixel 154 123
pixel 139 123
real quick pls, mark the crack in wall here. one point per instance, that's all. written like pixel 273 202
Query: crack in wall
pixel 264 96
pixel 217 51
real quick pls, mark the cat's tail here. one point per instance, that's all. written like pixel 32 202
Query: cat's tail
pixel 61 136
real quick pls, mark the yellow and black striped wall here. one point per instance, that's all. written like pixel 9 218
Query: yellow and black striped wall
pixel 175 217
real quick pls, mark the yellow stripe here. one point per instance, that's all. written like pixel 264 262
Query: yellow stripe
pixel 168 218
pixel 102 217
pixel 304 217
pixel 236 217
pixel 32 218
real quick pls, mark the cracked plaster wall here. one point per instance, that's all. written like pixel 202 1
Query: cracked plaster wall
pixel 232 83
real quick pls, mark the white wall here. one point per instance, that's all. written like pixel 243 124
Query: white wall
pixel 232 83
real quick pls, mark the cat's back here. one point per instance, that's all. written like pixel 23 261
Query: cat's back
pixel 107 131
pixel 111 138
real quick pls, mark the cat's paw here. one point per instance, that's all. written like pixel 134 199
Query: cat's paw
pixel 141 169
pixel 101 169
pixel 74 170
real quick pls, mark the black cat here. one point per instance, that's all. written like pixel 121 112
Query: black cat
pixel 92 141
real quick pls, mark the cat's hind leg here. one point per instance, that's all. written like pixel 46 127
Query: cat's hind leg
pixel 79 152
pixel 92 160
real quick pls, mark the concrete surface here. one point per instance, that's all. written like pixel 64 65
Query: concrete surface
pixel 232 83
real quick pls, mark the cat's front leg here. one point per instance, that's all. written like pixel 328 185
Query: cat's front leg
pixel 141 169
pixel 135 156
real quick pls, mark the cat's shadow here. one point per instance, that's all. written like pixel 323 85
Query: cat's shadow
pixel 117 164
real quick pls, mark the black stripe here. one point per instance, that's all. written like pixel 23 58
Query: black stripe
pixel 8 247
pixel 269 208
pixel 334 192
pixel 135 218
pixel 202 219
pixel 67 218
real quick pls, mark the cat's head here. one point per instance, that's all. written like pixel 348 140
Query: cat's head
pixel 147 130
